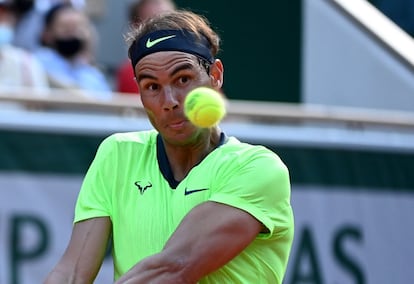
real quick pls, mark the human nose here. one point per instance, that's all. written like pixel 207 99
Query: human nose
pixel 170 99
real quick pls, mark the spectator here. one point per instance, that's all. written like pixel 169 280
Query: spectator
pixel 29 23
pixel 44 5
pixel 66 54
pixel 18 68
pixel 139 10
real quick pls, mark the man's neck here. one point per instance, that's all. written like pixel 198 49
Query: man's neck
pixel 183 158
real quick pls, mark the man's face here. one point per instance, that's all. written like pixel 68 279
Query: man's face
pixel 164 79
pixel 69 23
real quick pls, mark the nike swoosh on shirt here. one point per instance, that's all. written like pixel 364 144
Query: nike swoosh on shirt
pixel 189 191
pixel 150 43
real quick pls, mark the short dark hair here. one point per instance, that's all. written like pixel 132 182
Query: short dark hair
pixel 179 19
pixel 50 15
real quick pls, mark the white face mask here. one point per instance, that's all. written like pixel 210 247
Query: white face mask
pixel 6 35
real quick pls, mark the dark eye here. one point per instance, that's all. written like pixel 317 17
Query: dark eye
pixel 152 87
pixel 149 89
pixel 183 79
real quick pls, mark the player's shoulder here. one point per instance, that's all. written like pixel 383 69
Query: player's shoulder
pixel 145 136
pixel 130 139
pixel 252 154
pixel 234 145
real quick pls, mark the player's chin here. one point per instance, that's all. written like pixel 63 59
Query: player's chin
pixel 179 139
pixel 183 136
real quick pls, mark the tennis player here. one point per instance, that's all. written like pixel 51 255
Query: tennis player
pixel 182 204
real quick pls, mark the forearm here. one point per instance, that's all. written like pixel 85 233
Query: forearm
pixel 209 236
pixel 158 268
pixel 64 274
pixel 84 255
pixel 57 277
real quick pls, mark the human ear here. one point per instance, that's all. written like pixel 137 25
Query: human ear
pixel 216 74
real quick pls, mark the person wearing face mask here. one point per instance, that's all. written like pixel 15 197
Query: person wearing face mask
pixel 18 68
pixel 67 52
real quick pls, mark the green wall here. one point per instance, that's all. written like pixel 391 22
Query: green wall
pixel 64 153
pixel 261 47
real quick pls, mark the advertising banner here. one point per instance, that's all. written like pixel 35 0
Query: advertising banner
pixel 353 202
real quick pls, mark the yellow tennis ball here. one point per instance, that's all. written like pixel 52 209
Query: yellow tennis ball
pixel 204 107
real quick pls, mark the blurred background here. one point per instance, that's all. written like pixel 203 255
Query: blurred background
pixel 328 85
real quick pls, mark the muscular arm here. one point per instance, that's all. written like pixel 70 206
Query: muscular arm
pixel 84 255
pixel 208 237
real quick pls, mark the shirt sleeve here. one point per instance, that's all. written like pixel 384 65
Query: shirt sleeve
pixel 258 182
pixel 94 196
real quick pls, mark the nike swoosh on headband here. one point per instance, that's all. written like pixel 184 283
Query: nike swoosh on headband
pixel 170 40
pixel 150 43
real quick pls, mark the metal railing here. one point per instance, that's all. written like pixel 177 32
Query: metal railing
pixel 249 111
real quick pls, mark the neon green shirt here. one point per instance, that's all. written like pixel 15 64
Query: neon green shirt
pixel 130 181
